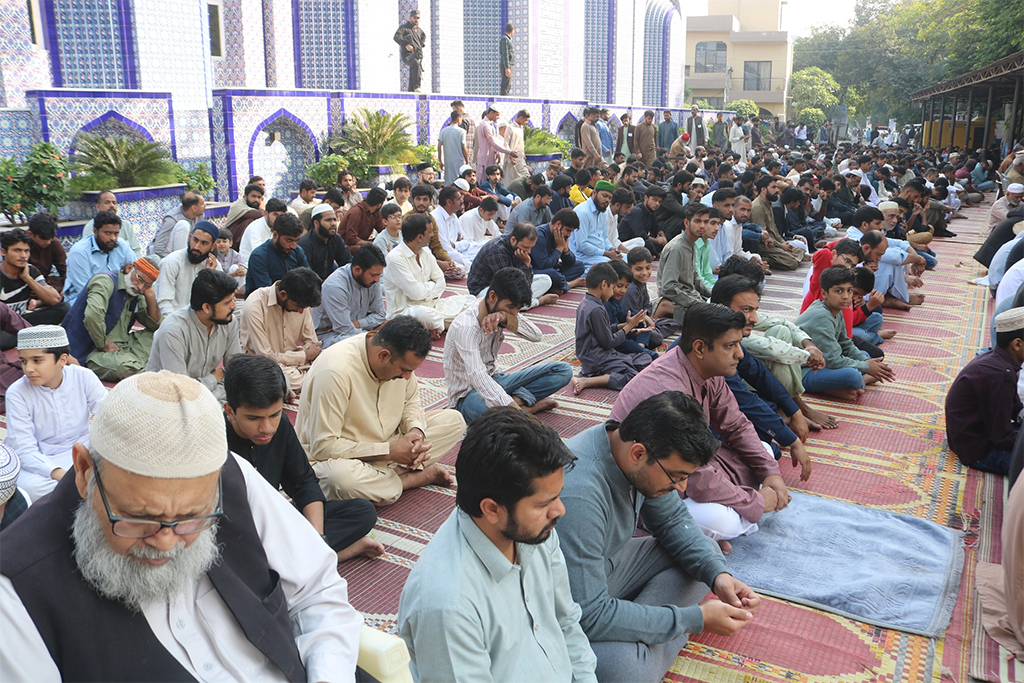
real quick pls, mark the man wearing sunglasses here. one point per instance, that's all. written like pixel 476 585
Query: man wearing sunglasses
pixel 162 557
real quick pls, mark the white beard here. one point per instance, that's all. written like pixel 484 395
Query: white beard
pixel 129 580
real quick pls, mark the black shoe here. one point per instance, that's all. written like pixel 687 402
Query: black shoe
pixel 945 233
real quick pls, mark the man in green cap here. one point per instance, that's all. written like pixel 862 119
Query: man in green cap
pixel 590 244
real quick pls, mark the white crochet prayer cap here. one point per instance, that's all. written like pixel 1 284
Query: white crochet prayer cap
pixel 464 168
pixel 461 184
pixel 320 208
pixel 10 466
pixel 885 206
pixel 161 425
pixel 1011 320
pixel 1015 188
pixel 42 337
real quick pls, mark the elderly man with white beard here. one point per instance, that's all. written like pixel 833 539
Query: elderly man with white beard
pixel 164 557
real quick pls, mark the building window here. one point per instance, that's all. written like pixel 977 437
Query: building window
pixel 757 75
pixel 714 102
pixel 35 26
pixel 710 57
pixel 214 10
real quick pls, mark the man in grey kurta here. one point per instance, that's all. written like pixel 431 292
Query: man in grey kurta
pixel 179 269
pixel 639 595
pixel 190 345
pixel 451 144
pixel 678 279
pixel 534 210
pixel 347 298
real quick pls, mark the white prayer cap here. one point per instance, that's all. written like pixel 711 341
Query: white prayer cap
pixel 464 168
pixel 161 425
pixel 461 184
pixel 886 206
pixel 320 208
pixel 857 172
pixel 10 466
pixel 42 337
pixel 1011 320
pixel 1018 228
pixel 699 181
pixel 1015 188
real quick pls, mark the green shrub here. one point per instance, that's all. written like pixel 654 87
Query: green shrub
pixel 744 107
pixel 812 117
pixel 198 179
pixel 538 141
pixel 380 136
pixel 128 163
pixel 41 181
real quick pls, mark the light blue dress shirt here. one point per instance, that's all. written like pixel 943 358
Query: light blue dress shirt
pixel 344 300
pixel 86 259
pixel 468 614
pixel 590 242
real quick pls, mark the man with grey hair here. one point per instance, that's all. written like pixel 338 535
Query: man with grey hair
pixel 192 209
pixel 180 554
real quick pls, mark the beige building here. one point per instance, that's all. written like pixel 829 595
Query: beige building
pixel 739 51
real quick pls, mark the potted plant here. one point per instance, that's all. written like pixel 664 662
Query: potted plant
pixel 382 137
pixel 543 146
pixel 39 182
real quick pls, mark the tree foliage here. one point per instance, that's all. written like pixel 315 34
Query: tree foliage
pixel 813 87
pixel 896 47
pixel 811 117
pixel 743 107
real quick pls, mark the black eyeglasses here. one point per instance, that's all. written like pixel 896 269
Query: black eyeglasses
pixel 129 527
pixel 675 482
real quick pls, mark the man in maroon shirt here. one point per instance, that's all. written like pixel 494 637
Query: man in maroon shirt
pixel 982 406
pixel 46 252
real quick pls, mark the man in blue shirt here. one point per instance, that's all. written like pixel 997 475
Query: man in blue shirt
pixel 271 260
pixel 551 255
pixel 590 244
pixel 489 598
pixel 605 133
pixel 639 595
pixel 100 252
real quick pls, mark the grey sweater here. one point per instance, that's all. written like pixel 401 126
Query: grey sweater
pixel 600 518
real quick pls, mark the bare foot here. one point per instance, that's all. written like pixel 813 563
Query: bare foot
pixel 846 394
pixel 436 334
pixel 579 383
pixel 365 546
pixel 540 406
pixel 916 299
pixel 547 299
pixel 887 334
pixel 812 425
pixel 892 302
pixel 434 474
pixel 578 282
pixel 725 546
pixel 824 420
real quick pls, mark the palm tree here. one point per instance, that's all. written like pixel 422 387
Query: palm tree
pixel 128 162
pixel 381 135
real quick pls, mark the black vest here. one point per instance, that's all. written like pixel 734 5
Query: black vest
pixel 91 638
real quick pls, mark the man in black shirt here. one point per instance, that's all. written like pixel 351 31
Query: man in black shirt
pixel 256 389
pixel 324 247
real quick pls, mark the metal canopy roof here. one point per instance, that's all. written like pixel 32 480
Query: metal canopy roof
pixel 1002 75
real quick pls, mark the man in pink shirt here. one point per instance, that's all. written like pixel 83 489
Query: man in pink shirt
pixel 490 145
pixel 723 496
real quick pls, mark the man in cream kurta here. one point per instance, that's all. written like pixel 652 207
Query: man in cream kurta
pixel 272 329
pixel 414 286
pixel 352 416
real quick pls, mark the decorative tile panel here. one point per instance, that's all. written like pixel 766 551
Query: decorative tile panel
pixel 447 22
pixel 87 37
pixel 18 132
pixel 482 29
pixel 324 43
pixel 598 26
pixel 281 153
pixel 177 65
pixel 23 65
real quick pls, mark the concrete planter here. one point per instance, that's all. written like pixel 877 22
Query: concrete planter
pixel 143 207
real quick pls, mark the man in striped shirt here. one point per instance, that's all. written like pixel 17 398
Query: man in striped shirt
pixel 471 349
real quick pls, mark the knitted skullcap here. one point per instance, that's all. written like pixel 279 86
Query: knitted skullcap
pixel 699 182
pixel 42 337
pixel 604 185
pixel 464 168
pixel 461 184
pixel 321 208
pixel 161 425
pixel 1015 188
pixel 147 268
pixel 1011 320
pixel 10 466
pixel 885 206
pixel 208 227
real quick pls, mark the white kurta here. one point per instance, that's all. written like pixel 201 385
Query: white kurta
pixel 174 286
pixel 199 630
pixel 518 168
pixel 416 287
pixel 43 424
pixel 255 234
pixel 449 230
pixel 476 232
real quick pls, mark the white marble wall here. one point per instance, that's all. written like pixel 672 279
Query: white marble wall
pixel 177 65
pixel 447 38
pixel 379 65
pixel 676 61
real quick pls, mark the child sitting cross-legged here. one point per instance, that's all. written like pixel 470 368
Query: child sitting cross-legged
pixel 597 337
pixel 644 337
pixel 866 314
pixel 847 369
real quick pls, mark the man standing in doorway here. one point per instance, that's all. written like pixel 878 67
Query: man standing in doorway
pixel 508 58
pixel 412 40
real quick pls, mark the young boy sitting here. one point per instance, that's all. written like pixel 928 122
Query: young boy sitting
pixel 48 409
pixel 230 260
pixel 644 338
pixel 596 337
pixel 638 297
pixel 844 252
pixel 865 321
pixel 391 236
pixel 847 369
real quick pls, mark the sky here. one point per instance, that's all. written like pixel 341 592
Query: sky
pixel 800 15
